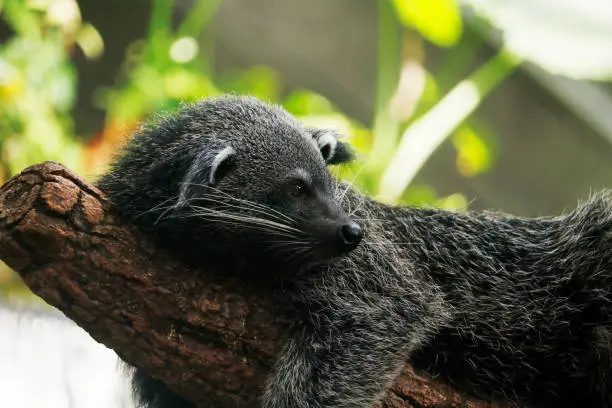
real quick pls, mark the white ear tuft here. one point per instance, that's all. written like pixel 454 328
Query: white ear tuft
pixel 221 157
pixel 327 141
pixel 206 169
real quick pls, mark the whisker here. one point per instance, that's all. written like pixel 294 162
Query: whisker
pixel 297 253
pixel 389 243
pixel 248 202
pixel 258 205
pixel 200 211
pixel 287 246
pixel 357 173
pixel 372 219
pixel 360 203
pixel 258 210
pixel 288 241
pixel 155 208
pixel 253 220
pixel 164 213
pixel 227 222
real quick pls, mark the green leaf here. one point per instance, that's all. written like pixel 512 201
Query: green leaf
pixel 181 83
pixel 386 128
pixel 473 154
pixel 437 20
pixel 306 102
pixel 259 81
pixel 455 201
pixel 419 195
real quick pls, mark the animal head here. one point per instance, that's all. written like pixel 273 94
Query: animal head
pixel 234 175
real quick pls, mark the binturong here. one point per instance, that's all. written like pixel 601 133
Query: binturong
pixel 510 309
pixel 234 179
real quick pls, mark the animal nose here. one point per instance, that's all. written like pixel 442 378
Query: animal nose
pixel 350 234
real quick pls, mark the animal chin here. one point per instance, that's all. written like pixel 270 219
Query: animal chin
pixel 316 255
pixel 330 251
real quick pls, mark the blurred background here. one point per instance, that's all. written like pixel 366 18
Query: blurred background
pixel 480 104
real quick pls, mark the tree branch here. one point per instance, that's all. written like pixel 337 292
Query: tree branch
pixel 209 337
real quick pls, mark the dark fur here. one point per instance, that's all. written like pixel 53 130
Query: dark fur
pixel 506 308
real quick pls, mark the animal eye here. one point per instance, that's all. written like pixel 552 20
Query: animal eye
pixel 297 189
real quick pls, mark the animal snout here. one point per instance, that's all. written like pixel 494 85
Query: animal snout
pixel 350 234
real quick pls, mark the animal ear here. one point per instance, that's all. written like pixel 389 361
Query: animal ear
pixel 333 150
pixel 210 165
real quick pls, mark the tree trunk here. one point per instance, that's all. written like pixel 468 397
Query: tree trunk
pixel 209 337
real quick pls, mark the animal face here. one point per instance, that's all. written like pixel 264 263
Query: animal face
pixel 258 179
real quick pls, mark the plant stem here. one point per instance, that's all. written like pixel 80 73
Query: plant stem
pixel 197 18
pixel 385 128
pixel 422 138
pixel 160 26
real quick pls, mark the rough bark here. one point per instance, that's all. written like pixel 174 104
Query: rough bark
pixel 209 337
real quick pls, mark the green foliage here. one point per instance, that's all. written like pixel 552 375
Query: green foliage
pixel 168 57
pixel 415 109
pixel 426 133
pixel 177 59
pixel 395 160
pixel 437 20
pixel 475 149
pixel 37 90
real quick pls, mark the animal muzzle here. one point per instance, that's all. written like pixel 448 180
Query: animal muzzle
pixel 350 235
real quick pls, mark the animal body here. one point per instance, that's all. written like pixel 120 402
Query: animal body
pixel 507 308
